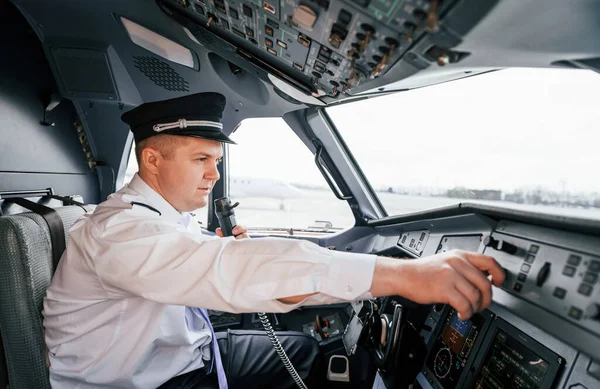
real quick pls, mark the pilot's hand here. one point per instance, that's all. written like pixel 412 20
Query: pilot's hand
pixel 239 231
pixel 456 277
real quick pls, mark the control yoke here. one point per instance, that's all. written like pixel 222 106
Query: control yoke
pixel 394 344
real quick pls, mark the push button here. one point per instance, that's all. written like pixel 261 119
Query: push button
pixel 590 278
pixel 522 277
pixel 518 287
pixel 574 260
pixel 530 258
pixel 594 266
pixel 585 289
pixel 560 293
pixel 569 271
pixel 575 313
pixel 534 249
pixel 525 268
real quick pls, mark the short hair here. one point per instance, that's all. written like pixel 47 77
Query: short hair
pixel 165 144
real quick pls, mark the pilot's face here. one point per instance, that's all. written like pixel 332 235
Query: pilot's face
pixel 189 174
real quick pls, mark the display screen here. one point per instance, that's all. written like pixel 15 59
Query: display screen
pixel 511 364
pixel 453 347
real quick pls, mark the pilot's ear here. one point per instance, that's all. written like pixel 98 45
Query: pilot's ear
pixel 150 159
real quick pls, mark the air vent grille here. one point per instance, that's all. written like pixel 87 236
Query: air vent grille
pixel 162 74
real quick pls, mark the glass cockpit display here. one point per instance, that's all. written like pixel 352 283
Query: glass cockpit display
pixel 511 364
pixel 453 348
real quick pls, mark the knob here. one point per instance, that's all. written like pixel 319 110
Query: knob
pixel 593 311
pixel 543 274
pixel 500 245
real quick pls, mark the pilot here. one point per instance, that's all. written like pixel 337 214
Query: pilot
pixel 127 304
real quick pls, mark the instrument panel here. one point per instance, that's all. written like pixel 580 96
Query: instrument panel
pixel 326 47
pixel 545 316
pixel 562 280
pixel 485 352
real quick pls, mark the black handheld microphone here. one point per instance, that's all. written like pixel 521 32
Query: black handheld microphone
pixel 225 214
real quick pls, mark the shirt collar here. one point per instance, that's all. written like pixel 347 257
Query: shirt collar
pixel 155 200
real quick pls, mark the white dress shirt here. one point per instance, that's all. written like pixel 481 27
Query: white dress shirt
pixel 115 314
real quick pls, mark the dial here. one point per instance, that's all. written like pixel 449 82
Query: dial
pixel 443 362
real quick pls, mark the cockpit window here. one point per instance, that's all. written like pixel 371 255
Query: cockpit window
pixel 278 185
pixel 522 138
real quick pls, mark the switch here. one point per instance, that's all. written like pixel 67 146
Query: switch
pixel 303 40
pixel 344 17
pixel 575 313
pixel 569 271
pixel 304 16
pixel 585 289
pixel 574 260
pixel 247 10
pixel 590 278
pixel 518 286
pixel 560 293
pixel 593 369
pixel 500 245
pixel 281 44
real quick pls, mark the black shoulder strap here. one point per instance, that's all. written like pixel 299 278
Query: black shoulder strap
pixel 55 224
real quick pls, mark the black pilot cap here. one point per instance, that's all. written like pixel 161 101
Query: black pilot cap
pixel 198 115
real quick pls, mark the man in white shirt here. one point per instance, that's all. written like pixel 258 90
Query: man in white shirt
pixel 127 304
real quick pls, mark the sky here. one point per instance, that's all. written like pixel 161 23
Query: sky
pixel 515 128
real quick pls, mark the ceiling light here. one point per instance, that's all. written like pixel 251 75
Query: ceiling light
pixel 158 44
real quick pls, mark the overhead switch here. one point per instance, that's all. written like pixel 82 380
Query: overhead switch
pixel 304 17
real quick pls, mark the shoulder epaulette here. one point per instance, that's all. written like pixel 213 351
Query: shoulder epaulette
pixel 146 206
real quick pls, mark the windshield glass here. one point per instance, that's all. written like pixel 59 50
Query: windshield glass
pixel 524 138
pixel 274 177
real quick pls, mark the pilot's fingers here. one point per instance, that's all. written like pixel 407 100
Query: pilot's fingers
pixel 239 229
pixel 219 232
pixel 459 302
pixel 470 292
pixel 487 264
pixel 477 280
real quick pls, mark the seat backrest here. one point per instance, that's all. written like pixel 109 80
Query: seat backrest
pixel 25 273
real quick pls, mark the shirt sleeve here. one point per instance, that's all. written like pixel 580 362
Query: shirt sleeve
pixel 167 265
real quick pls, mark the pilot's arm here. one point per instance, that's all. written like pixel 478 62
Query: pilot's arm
pixel 160 262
